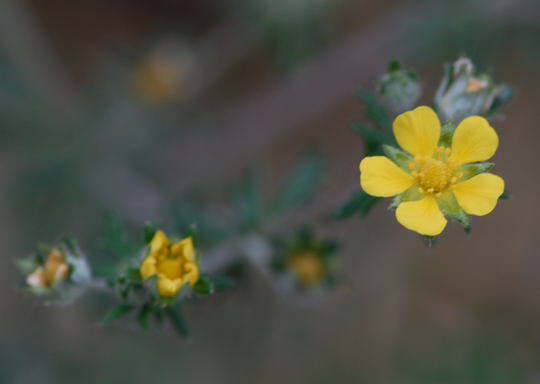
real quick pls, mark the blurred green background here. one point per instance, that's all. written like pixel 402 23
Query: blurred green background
pixel 132 107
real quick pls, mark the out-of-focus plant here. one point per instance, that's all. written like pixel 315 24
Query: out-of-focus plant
pixel 480 361
pixel 152 278
pixel 398 89
pixel 166 73
pixel 294 29
pixel 57 273
pixel 462 94
pixel 304 262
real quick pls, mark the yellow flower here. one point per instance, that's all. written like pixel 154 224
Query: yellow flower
pixel 435 177
pixel 54 270
pixel 308 268
pixel 174 264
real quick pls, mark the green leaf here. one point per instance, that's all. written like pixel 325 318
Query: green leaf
pixel 177 320
pixel 447 131
pixel 142 318
pixel 71 244
pixel 220 283
pixel 133 274
pixel 394 66
pixel 375 111
pixel 116 312
pixel 358 202
pixel 248 201
pixel 191 209
pixel 470 170
pixel 203 286
pixel 158 315
pixel 373 138
pixel 450 207
pixel 429 241
pixel 402 159
pixel 304 237
pixel 149 232
pixel 115 244
pixel 301 183
pixel 505 195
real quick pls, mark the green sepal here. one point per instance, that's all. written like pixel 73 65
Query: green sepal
pixel 133 274
pixel 27 265
pixel 394 66
pixel 429 241
pixel 473 169
pixel 117 312
pixel 505 195
pixel 447 132
pixel 149 232
pixel 142 317
pixel 401 158
pixel 450 207
pixel 203 286
pixel 177 320
pixel 411 194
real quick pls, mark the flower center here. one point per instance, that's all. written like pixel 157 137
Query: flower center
pixel 171 268
pixel 308 268
pixel 434 175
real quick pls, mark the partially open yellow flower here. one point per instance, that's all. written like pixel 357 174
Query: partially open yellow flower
pixel 435 177
pixel 54 270
pixel 174 264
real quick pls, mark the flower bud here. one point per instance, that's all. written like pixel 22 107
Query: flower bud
pixel 398 90
pixel 61 273
pixel 463 92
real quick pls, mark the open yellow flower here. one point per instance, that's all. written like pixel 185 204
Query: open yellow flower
pixel 174 264
pixel 438 175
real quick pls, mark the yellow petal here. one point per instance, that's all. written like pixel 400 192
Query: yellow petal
pixel 37 279
pixel 474 140
pixel 159 241
pixel 148 267
pixel 479 195
pixel 418 131
pixel 192 273
pixel 167 287
pixel 422 216
pixel 379 176
pixel 185 249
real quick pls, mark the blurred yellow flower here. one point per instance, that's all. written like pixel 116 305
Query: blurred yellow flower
pixel 308 268
pixel 166 74
pixel 54 269
pixel 435 175
pixel 174 264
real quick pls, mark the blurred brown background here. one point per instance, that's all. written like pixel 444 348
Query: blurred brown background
pixel 86 128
